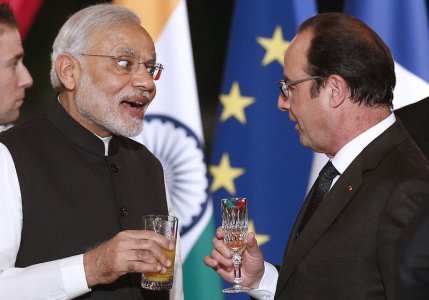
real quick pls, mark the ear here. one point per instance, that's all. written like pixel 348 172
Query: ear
pixel 68 70
pixel 337 88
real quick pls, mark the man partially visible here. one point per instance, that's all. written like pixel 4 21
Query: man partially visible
pixel 73 186
pixel 411 262
pixel 416 121
pixel 14 76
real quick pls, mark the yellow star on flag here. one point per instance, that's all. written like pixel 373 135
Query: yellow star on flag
pixel 260 238
pixel 234 104
pixel 275 47
pixel 224 175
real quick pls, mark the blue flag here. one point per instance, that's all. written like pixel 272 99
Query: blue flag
pixel 257 153
pixel 404 26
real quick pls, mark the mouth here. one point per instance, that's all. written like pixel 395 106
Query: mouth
pixel 19 102
pixel 136 106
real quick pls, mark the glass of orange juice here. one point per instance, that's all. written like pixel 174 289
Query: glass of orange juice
pixel 168 227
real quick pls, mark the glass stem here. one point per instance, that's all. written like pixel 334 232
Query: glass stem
pixel 236 260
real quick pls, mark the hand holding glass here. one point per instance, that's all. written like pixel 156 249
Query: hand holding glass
pixel 167 226
pixel 235 225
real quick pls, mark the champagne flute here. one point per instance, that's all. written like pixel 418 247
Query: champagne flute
pixel 235 225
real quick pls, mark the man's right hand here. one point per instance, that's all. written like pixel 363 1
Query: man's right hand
pixel 132 251
pixel 220 260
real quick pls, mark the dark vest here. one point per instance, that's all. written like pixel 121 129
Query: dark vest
pixel 74 197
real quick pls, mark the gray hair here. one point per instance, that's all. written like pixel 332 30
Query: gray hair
pixel 75 35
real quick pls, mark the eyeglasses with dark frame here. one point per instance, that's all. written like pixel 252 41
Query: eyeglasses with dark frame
pixel 126 64
pixel 284 85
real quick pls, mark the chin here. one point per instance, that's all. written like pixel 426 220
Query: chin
pixel 304 141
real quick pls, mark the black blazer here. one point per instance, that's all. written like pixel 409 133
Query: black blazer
pixel 412 259
pixel 415 118
pixel 346 249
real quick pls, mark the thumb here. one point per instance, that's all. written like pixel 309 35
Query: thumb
pixel 252 245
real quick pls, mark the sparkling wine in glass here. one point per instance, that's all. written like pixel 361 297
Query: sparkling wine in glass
pixel 235 225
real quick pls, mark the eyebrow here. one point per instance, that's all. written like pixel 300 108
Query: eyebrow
pixel 128 51
pixel 131 52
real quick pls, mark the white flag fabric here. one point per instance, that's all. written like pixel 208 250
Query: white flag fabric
pixel 172 131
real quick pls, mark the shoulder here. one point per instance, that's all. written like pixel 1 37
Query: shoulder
pixel 137 150
pixel 416 121
pixel 27 128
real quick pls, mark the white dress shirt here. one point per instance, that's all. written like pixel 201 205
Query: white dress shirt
pixel 341 161
pixel 5 127
pixel 53 280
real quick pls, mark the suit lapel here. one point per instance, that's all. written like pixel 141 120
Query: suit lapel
pixel 340 194
pixel 326 213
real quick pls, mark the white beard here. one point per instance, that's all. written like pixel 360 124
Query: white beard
pixel 101 108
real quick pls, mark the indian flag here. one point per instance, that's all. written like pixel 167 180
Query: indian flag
pixel 173 132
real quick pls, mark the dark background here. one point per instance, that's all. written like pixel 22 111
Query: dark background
pixel 209 24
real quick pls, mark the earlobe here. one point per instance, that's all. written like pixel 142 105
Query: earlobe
pixel 65 66
pixel 338 93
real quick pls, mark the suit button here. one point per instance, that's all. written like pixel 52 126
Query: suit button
pixel 114 168
pixel 123 212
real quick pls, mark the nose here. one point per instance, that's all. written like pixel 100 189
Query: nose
pixel 283 103
pixel 143 79
pixel 25 79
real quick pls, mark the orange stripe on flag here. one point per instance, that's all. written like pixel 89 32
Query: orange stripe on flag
pixel 153 14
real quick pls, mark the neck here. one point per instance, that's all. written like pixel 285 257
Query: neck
pixel 68 102
pixel 355 122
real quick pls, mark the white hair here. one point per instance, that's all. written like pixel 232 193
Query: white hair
pixel 75 35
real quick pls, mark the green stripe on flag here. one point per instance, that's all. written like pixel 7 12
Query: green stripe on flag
pixel 200 281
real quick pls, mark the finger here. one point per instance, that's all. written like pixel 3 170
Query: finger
pixel 220 246
pixel 214 264
pixel 226 274
pixel 143 267
pixel 155 251
pixel 161 240
pixel 251 239
pixel 252 244
pixel 221 259
pixel 210 262
pixel 219 232
pixel 144 256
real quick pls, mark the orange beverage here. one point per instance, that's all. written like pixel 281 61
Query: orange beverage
pixel 162 277
pixel 168 227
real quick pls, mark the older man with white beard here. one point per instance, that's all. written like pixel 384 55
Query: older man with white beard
pixel 73 186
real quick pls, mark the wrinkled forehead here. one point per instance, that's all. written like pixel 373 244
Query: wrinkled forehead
pixel 126 39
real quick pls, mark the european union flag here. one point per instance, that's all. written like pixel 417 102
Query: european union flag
pixel 257 153
pixel 403 25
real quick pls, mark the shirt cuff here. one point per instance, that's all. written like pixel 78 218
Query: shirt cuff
pixel 73 276
pixel 267 286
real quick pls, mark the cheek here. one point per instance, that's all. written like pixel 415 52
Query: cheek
pixel 110 84
pixel 8 80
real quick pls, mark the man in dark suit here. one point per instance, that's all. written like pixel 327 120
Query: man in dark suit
pixel 416 121
pixel 412 259
pixel 338 88
pixel 412 247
